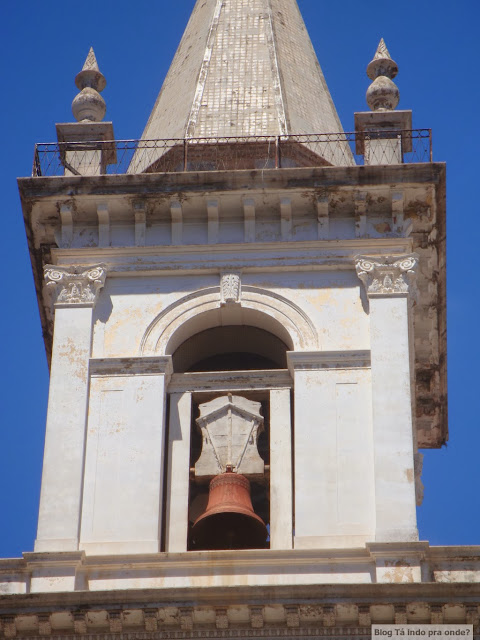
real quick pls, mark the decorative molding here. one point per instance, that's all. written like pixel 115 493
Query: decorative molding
pixel 390 550
pixel 79 622
pixel 311 618
pixel 361 214
pixel 44 624
pixel 472 614
pixel 103 224
pixel 329 615
pixel 249 219
pixel 292 616
pixel 9 626
pixel 364 617
pixel 150 619
pixel 75 286
pixel 316 360
pixel 279 315
pixel 256 617
pixel 401 614
pixel 312 255
pixel 115 621
pixel 213 211
pixel 340 632
pixel 323 212
pixel 176 213
pixel 436 614
pixel 186 618
pixel 139 209
pixel 221 618
pixel 153 365
pixel 286 218
pixel 230 288
pixel 388 275
pixel 43 559
pixel 66 216
pixel 222 381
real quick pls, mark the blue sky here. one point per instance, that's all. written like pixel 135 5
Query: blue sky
pixel 44 45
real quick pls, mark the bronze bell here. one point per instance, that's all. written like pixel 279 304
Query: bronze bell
pixel 229 521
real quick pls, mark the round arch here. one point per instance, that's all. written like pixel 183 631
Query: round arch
pixel 203 310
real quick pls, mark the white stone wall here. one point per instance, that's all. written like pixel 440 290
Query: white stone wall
pixel 122 490
pixel 331 300
pixel 334 470
pixel 352 439
pixel 334 477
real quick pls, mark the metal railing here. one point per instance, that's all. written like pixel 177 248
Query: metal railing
pixel 231 153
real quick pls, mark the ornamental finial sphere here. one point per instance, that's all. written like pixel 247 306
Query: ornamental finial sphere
pixel 383 93
pixel 89 105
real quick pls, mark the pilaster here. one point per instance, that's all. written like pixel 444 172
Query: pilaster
pixel 74 292
pixel 281 489
pixel 334 485
pixel 389 284
pixel 178 472
pixel 125 446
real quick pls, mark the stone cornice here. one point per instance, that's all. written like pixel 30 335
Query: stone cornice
pixel 379 593
pixel 230 381
pixel 388 275
pixel 74 285
pixel 48 559
pixel 215 181
pixel 305 611
pixel 238 257
pixel 151 365
pixel 316 360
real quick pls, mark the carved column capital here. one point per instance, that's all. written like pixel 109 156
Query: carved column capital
pixel 388 275
pixel 75 285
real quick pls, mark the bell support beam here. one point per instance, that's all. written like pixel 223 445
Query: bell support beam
pixel 281 491
pixel 178 472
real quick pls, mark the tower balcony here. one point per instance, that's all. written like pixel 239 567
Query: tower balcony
pixel 116 157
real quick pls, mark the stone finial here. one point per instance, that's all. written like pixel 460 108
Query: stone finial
pixel 382 94
pixel 89 105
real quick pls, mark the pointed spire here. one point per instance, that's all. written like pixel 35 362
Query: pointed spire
pixel 89 104
pixel 383 93
pixel 243 69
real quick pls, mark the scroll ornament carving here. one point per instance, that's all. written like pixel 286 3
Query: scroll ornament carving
pixel 75 285
pixel 388 275
pixel 230 287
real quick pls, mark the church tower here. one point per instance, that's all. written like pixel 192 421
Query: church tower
pixel 244 312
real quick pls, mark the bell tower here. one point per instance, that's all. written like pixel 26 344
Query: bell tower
pixel 244 312
pixel 244 326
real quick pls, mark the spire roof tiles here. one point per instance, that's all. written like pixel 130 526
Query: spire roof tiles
pixel 243 68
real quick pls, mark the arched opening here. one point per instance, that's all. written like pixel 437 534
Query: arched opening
pixel 231 348
pixel 236 348
pixel 203 310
